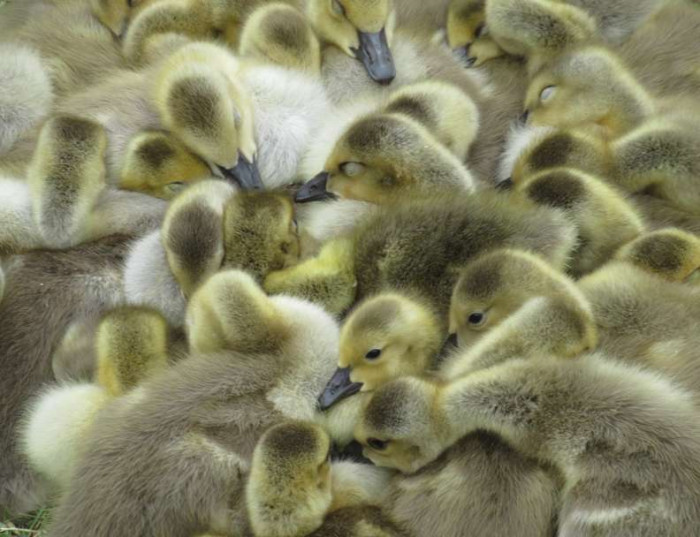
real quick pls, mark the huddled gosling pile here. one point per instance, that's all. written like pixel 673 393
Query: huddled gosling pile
pixel 350 268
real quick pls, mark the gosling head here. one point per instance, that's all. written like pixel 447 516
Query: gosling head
pixel 671 253
pixel 586 87
pixel 131 344
pixel 443 109
pixel 546 149
pixel 401 426
pixel 160 165
pixel 468 34
pixel 494 286
pixel 289 486
pixel 383 156
pixel 201 103
pixel 65 177
pixel 537 29
pixel 360 28
pixel 260 233
pixel 230 312
pixel 280 34
pixel 384 338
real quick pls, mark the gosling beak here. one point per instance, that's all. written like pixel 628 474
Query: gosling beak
pixel 524 117
pixel 376 56
pixel 338 388
pixel 450 344
pixel 314 190
pixel 352 452
pixel 245 173
pixel 506 184
pixel 462 54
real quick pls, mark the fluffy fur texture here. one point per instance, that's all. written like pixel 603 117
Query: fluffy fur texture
pixel 26 94
pixel 70 284
pixel 288 108
pixel 194 450
pixel 604 426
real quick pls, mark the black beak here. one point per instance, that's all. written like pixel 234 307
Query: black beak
pixel 314 190
pixel 506 184
pixel 449 345
pixel 352 452
pixel 524 117
pixel 338 388
pixel 375 54
pixel 462 54
pixel 245 174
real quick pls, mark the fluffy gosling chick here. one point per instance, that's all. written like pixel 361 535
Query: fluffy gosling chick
pixel 293 486
pixel 494 286
pixel 75 39
pixel 195 19
pixel 670 253
pixel 131 345
pixel 587 87
pixel 186 437
pixel 206 228
pixel 468 35
pixel 384 337
pixel 382 155
pixel 72 284
pixel 604 219
pixel 157 164
pixel 280 34
pixel 537 29
pixel 26 94
pixel 660 158
pixel 389 251
pixel 168 97
pixel 222 133
pixel 445 110
pixel 66 176
pixel 603 425
pixel 362 29
pixel 289 486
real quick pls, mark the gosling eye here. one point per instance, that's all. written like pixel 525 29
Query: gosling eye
pixel 547 93
pixel 376 444
pixel 352 169
pixel 337 8
pixel 175 186
pixel 476 318
pixel 482 30
pixel 373 354
pixel 387 180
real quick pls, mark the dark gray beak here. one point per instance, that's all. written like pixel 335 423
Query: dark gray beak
pixel 314 190
pixel 449 346
pixel 462 54
pixel 245 174
pixel 376 56
pixel 338 388
pixel 506 184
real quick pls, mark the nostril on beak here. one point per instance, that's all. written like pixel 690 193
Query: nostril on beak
pixel 524 117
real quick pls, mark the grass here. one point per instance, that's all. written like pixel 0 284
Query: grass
pixel 25 526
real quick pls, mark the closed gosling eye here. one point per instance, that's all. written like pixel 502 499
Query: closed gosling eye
pixel 376 444
pixel 352 169
pixel 337 8
pixel 547 93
